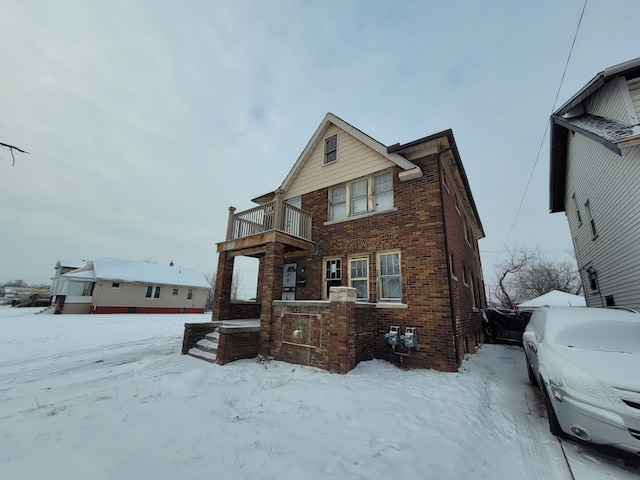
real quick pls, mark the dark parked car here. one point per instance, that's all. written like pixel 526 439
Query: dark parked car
pixel 586 361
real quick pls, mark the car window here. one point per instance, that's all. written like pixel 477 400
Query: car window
pixel 602 335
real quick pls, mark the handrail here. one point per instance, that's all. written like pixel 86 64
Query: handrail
pixel 293 221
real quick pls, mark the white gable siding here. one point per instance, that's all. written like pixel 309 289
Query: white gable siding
pixel 612 101
pixel 354 160
pixel 609 182
pixel 634 90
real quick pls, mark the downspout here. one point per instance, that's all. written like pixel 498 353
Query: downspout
pixel 446 254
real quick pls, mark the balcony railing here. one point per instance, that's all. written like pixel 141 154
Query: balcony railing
pixel 275 215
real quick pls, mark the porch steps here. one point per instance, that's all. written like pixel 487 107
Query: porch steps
pixel 207 348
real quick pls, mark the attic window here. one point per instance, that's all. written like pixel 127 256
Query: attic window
pixel 115 284
pixel 331 149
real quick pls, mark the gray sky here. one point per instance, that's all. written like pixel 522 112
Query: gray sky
pixel 146 120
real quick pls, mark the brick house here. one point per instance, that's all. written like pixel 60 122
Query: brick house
pixel 359 240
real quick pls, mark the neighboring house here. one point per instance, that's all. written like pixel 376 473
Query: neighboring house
pixel 63 266
pixel 595 178
pixel 110 285
pixel 396 225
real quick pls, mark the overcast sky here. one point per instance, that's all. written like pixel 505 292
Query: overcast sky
pixel 145 120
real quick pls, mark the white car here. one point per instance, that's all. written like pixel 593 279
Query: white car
pixel 587 363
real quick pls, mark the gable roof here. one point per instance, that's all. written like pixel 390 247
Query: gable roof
pixel 331 119
pixel 571 116
pixel 127 271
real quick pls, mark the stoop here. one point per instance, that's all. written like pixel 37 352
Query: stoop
pixel 207 348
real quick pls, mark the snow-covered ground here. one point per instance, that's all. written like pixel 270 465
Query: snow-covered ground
pixel 109 396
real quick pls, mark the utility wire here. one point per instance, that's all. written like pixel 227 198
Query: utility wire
pixel 546 130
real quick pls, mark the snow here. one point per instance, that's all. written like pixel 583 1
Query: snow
pixel 110 396
pixel 554 298
pixel 127 271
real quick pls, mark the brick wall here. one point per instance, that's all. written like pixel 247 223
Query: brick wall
pixel 237 342
pixel 194 332
pixel 417 230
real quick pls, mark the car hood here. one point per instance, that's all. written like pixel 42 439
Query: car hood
pixel 616 369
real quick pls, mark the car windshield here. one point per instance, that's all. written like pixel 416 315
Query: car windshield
pixel 602 335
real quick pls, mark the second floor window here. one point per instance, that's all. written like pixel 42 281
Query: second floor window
pixel 594 232
pixel 364 195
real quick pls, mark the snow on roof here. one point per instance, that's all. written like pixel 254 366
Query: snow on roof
pixel 128 271
pixel 71 262
pixel 555 298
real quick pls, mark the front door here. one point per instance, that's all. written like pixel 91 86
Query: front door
pixel 289 281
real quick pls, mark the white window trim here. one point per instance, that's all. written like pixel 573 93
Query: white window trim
pixel 364 257
pixel 371 198
pixel 325 295
pixel 324 155
pixel 578 214
pixel 379 277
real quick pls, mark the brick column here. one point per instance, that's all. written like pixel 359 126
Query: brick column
pixel 342 329
pixel 270 290
pixel 222 293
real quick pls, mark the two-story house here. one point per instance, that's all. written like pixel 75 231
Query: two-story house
pixel 594 179
pixel 397 226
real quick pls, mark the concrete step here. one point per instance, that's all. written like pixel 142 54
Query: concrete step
pixel 202 355
pixel 207 345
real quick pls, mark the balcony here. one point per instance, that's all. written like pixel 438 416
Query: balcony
pixel 249 231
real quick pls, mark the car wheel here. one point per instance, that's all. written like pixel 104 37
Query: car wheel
pixel 554 425
pixel 532 377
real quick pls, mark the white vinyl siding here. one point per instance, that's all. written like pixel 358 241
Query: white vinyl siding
pixel 355 160
pixel 612 101
pixel 634 91
pixel 609 182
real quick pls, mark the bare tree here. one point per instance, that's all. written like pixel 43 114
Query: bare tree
pixel 507 292
pixel 543 275
pixel 11 148
pixel 527 274
pixel 211 278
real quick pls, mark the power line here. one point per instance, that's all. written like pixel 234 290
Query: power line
pixel 546 130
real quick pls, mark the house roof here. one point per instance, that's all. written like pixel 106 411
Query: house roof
pixel 571 117
pixel 331 119
pixel 554 298
pixel 128 271
pixel 70 262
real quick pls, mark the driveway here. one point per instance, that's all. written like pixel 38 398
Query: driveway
pixel 546 456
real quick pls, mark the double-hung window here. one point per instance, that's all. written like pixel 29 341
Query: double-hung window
pixel 373 193
pixel 153 291
pixel 359 197
pixel 338 202
pixel 389 280
pixel 331 149
pixel 358 276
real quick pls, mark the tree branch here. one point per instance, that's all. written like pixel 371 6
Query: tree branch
pixel 11 149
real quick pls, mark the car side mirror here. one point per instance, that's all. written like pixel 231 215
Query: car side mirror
pixel 531 339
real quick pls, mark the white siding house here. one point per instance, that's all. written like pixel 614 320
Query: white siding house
pixel 595 180
pixel 111 285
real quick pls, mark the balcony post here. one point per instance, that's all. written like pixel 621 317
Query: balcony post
pixel 232 211
pixel 277 214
